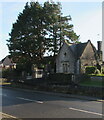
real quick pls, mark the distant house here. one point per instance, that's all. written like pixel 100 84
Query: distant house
pixel 73 58
pixel 7 63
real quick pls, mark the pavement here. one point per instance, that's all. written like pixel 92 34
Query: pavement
pixel 22 103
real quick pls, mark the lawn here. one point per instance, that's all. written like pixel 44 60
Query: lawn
pixel 92 83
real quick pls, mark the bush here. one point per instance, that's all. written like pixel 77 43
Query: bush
pixel 102 70
pixel 97 71
pixel 5 73
pixel 9 74
pixel 90 70
pixel 83 77
pixel 59 78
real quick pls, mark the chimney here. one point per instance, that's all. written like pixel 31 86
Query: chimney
pixel 99 43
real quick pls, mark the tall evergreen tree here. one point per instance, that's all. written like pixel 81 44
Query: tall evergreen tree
pixel 59 28
pixel 27 38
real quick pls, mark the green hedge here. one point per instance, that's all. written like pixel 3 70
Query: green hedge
pixel 59 78
pixel 5 73
pixel 90 69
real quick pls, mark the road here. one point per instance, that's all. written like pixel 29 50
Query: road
pixel 28 104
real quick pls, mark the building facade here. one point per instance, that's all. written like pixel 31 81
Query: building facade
pixel 73 58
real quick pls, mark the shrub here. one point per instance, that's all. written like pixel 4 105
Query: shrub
pixel 102 70
pixel 5 73
pixel 97 71
pixel 83 77
pixel 90 69
pixel 98 67
pixel 59 78
pixel 9 74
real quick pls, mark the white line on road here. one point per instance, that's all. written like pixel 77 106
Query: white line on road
pixel 3 94
pixel 7 115
pixel 30 100
pixel 86 111
pixel 25 99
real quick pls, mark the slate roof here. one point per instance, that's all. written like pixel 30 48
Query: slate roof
pixel 5 58
pixel 6 61
pixel 79 48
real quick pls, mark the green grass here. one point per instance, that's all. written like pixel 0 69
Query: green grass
pixel 92 83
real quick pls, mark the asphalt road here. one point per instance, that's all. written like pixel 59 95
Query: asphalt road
pixel 27 104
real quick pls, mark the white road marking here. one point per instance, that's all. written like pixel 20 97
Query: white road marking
pixel 3 94
pixel 30 100
pixel 25 99
pixel 86 111
pixel 7 115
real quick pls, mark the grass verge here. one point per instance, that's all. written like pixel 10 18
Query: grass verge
pixel 92 83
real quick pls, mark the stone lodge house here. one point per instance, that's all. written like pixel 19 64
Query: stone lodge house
pixel 73 58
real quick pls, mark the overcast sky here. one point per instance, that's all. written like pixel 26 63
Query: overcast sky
pixel 86 18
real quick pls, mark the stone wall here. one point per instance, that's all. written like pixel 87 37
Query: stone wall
pixel 88 58
pixel 65 57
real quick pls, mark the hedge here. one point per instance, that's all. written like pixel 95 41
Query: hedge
pixel 59 78
pixel 90 69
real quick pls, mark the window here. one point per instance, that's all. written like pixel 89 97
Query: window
pixel 65 67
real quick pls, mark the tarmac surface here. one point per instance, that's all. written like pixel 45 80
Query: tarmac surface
pixel 22 103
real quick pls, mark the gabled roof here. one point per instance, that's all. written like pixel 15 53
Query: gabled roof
pixel 78 49
pixel 8 56
pixel 6 61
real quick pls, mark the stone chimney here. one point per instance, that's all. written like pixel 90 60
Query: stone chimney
pixel 99 51
pixel 99 43
pixel 103 49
